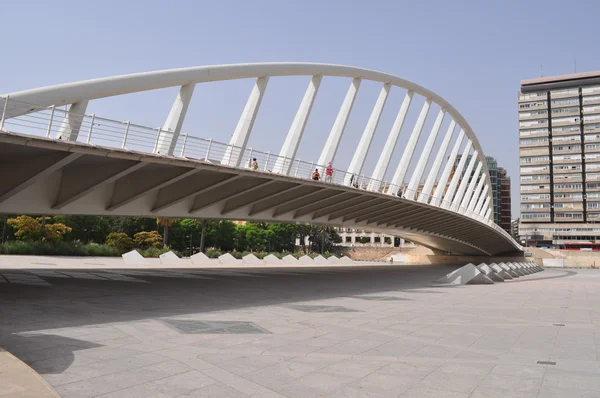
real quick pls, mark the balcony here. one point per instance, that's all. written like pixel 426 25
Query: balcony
pixel 574 121
pixel 567 104
pixel 594 189
pixel 590 101
pixel 541 210
pixel 566 161
pixel 568 200
pixel 534 151
pixel 592 137
pixel 523 133
pixel 534 144
pixel 537 200
pixel 564 94
pixel 577 207
pixel 571 131
pixel 538 190
pixel 590 91
pixel 534 172
pixel 574 112
pixel 567 171
pixel 570 190
pixel 535 182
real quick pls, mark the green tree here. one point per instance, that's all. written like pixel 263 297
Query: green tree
pixel 323 239
pixel 30 229
pixel 146 240
pixel 165 223
pixel 120 240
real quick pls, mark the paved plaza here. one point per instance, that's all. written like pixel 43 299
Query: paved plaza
pixel 351 331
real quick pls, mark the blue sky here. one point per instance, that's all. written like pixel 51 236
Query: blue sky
pixel 473 53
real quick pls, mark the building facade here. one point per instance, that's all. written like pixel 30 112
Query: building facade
pixel 559 149
pixel 500 184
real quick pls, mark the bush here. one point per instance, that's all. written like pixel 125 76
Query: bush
pixel 365 239
pixel 120 240
pixel 146 240
pixel 154 252
pixel 213 253
pixel 97 250
pixel 387 240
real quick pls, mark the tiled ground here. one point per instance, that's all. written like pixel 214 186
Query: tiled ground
pixel 303 332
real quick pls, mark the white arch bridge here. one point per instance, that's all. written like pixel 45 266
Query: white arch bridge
pixel 55 161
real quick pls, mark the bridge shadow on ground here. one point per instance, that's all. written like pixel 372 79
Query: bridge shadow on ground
pixel 32 315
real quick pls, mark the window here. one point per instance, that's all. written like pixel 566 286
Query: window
pixel 531 159
pixel 348 239
pixel 532 96
pixel 566 157
pixel 530 206
pixel 528 123
pixel 593 205
pixel 559 196
pixel 591 109
pixel 567 147
pixel 562 138
pixel 568 186
pixel 570 91
pixel 567 167
pixel 533 169
pixel 564 101
pixel 539 196
pixel 590 90
pixel 559 177
pixel 534 178
pixel 558 111
pixel 528 105
pixel 534 187
pixel 533 216
pixel 539 114
pixel 589 147
pixel 565 129
pixel 566 205
pixel 591 98
pixel 377 239
pixel 592 185
pixel 569 215
pixel 533 141
pixel 592 137
pixel 569 119
pixel 590 118
pixel 592 166
pixel 524 133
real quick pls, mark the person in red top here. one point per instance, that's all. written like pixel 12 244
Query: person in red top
pixel 329 173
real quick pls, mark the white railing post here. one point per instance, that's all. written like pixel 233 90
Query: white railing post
pixel 208 149
pixel 249 157
pixel 297 167
pixel 4 112
pixel 89 138
pixel 267 161
pixel 50 123
pixel 185 138
pixel 127 124
pixel 157 139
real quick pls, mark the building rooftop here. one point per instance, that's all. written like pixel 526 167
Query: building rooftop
pixel 561 81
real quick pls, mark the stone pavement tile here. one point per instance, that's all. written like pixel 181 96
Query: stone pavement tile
pixel 555 378
pixel 247 387
pixel 556 392
pixel 534 371
pixel 380 384
pixel 285 372
pixel 105 353
pixel 166 387
pixel 462 378
pixel 329 379
pixel 399 347
pixel 120 380
pixel 350 347
pixel 490 392
pixel 60 364
pixel 420 392
pixel 101 368
pixel 217 390
pixel 512 383
pixel 436 351
pixel 250 363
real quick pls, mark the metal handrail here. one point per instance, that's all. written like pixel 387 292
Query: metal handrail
pixel 100 131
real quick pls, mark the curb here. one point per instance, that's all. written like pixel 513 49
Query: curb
pixel 21 380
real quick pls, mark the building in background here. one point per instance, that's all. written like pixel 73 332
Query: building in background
pixel 503 191
pixel 514 229
pixel 559 149
pixel 500 184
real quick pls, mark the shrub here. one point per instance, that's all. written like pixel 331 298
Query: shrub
pixel 120 240
pixel 154 252
pixel 146 240
pixel 365 239
pixel 97 250
pixel 387 240
pixel 30 229
pixel 213 253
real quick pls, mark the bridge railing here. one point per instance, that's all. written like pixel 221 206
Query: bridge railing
pixel 58 123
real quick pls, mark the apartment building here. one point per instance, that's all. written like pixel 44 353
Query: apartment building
pixel 500 184
pixel 559 148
